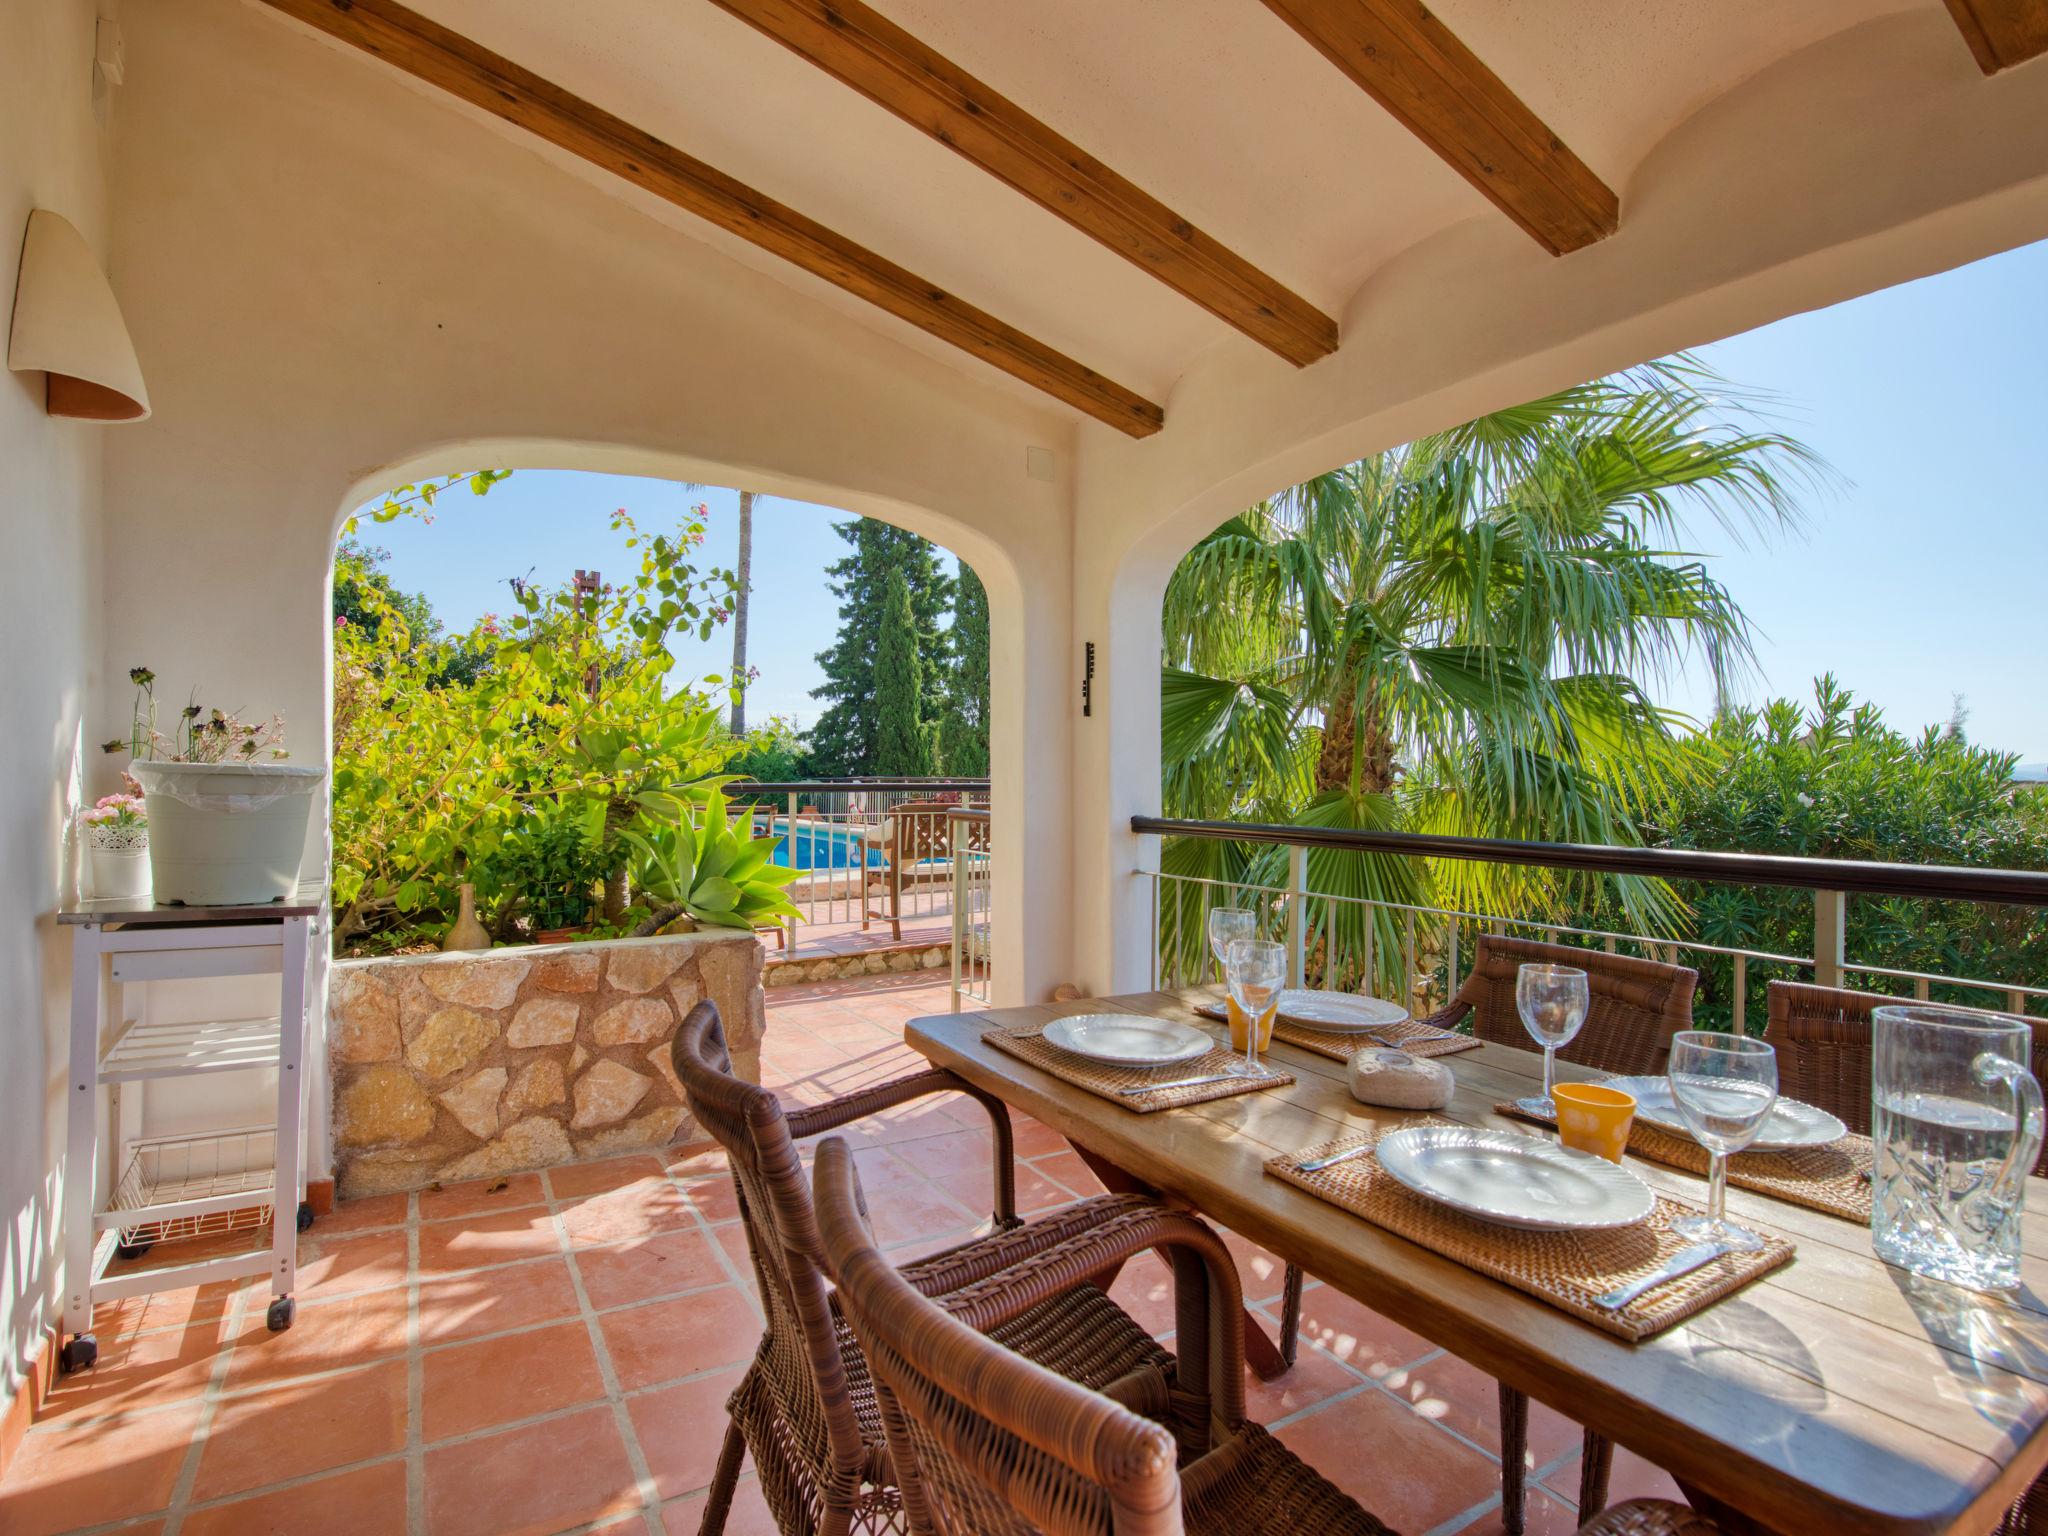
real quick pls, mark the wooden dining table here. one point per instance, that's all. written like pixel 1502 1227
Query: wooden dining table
pixel 1835 1395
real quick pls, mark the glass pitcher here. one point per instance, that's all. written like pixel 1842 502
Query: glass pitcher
pixel 1956 1123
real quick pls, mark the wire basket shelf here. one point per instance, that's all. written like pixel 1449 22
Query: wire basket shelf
pixel 214 1168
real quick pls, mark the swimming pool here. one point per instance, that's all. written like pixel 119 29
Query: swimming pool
pixel 821 847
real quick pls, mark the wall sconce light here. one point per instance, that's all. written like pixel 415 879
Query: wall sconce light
pixel 68 326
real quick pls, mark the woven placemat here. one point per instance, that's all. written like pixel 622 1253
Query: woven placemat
pixel 1566 1269
pixel 1834 1179
pixel 1027 1043
pixel 1415 1038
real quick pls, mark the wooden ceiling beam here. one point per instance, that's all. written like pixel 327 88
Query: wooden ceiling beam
pixel 864 49
pixel 2002 33
pixel 1410 63
pixel 465 69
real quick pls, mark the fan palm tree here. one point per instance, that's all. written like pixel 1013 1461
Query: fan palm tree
pixel 1457 637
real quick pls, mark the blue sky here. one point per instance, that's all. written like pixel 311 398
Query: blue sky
pixel 1918 577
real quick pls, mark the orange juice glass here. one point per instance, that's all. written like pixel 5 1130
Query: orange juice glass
pixel 1594 1118
pixel 1238 1030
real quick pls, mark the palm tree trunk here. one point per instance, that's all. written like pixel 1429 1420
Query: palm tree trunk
pixel 1351 733
pixel 745 573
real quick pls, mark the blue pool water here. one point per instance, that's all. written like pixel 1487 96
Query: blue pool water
pixel 820 848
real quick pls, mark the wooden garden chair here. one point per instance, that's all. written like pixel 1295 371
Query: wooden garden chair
pixel 990 1443
pixel 806 1407
pixel 915 833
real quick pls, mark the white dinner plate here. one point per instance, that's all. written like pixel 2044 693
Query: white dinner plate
pixel 1128 1039
pixel 1789 1124
pixel 1340 1013
pixel 1518 1181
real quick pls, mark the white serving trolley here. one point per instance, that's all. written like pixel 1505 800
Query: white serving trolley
pixel 167 1188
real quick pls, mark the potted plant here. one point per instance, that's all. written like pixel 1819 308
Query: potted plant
pixel 115 833
pixel 554 862
pixel 227 816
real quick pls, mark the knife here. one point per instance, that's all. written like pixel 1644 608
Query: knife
pixel 1681 1263
pixel 1179 1082
pixel 1317 1165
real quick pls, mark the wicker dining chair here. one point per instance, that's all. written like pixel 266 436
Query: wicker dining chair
pixel 1634 1008
pixel 805 1408
pixel 988 1443
pixel 1823 1039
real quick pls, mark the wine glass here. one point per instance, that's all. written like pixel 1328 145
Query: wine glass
pixel 1226 926
pixel 1255 970
pixel 1724 1086
pixel 1552 1001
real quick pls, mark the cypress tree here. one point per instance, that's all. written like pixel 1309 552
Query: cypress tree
pixel 964 733
pixel 843 741
pixel 902 744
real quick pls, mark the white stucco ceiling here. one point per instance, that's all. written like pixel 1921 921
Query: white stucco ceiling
pixel 1215 106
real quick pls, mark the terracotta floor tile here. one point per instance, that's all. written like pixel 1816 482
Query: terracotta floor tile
pixel 646 1267
pixel 708 1182
pixel 1068 1169
pixel 1630 1478
pixel 139 1371
pixel 335 1266
pixel 646 1206
pixel 515 1376
pixel 1544 1515
pixel 732 1237
pixel 364 1502
pixel 65 1475
pixel 164 1309
pixel 300 1427
pixel 453 1307
pixel 362 1215
pixel 1316 1377
pixel 667 1339
pixel 575 1180
pixel 680 1430
pixel 1355 1334
pixel 900 1215
pixel 478 1197
pixel 1144 1289
pixel 1263 1275
pixel 749 1515
pixel 948 1152
pixel 1461 1397
pixel 327 1335
pixel 1394 1462
pixel 470 1242
pixel 1034 1138
pixel 527 1482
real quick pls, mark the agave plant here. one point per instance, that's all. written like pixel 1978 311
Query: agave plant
pixel 708 869
pixel 1459 637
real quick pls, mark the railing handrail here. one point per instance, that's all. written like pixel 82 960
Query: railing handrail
pixel 1932 882
pixel 795 786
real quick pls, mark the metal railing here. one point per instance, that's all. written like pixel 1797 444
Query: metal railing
pixel 970 897
pixel 1418 947
pixel 837 833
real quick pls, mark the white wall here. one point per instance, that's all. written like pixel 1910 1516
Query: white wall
pixel 338 281
pixel 49 624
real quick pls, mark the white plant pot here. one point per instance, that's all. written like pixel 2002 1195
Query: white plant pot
pixel 118 874
pixel 226 834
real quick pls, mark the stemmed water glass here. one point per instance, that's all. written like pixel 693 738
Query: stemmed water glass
pixel 1724 1086
pixel 1254 970
pixel 1552 1001
pixel 1226 926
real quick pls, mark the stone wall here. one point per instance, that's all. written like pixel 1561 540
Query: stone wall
pixel 459 1066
